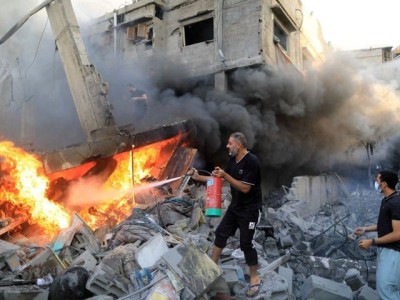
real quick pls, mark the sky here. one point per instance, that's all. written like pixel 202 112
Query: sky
pixel 357 24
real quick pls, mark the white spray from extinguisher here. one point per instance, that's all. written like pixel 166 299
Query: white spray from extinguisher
pixel 156 184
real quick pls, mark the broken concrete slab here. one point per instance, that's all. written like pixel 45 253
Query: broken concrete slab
pixel 334 269
pixel 43 264
pixel 287 273
pixel 274 264
pixel 23 292
pixel 354 280
pixel 274 287
pixel 122 259
pixel 163 289
pixel 366 293
pixel 101 297
pixel 315 191
pixel 9 256
pixel 316 287
pixel 85 260
pixel 104 281
pixel 194 267
pixel 79 235
pixel 151 251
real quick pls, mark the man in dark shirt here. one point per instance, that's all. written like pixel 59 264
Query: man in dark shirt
pixel 388 241
pixel 243 173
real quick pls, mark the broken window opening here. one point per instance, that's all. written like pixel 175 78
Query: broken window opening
pixel 387 55
pixel 140 33
pixel 120 19
pixel 281 36
pixel 199 32
pixel 159 12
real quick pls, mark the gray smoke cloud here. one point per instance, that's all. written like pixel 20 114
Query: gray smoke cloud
pixel 311 122
pixel 40 115
pixel 316 120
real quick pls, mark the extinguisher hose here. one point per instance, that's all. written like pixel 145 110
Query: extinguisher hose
pixel 204 171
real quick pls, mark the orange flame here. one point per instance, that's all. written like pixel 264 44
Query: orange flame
pixel 24 184
pixel 119 206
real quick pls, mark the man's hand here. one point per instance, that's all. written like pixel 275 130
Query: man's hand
pixel 359 231
pixel 365 244
pixel 218 172
pixel 193 173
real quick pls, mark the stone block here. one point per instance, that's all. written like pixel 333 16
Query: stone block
pixel 85 260
pixel 366 293
pixel 315 288
pixel 287 273
pixel 354 280
pixel 275 287
pixel 23 292
pixel 151 251
pixel 8 255
pixel 194 267
pixel 43 264
pixel 105 282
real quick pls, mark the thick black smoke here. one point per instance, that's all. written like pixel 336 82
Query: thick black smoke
pixel 311 122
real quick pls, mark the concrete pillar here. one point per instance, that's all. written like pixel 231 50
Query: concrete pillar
pixel 220 81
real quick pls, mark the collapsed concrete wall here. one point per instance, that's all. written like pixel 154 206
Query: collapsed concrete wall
pixel 313 192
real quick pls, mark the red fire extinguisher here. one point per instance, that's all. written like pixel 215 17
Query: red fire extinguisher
pixel 213 199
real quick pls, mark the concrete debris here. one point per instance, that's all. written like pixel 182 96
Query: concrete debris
pixel 162 251
pixel 23 292
pixel 317 287
pixel 104 281
pixel 366 293
pixel 151 251
pixel 9 256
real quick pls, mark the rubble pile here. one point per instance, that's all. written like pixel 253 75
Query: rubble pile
pixel 162 251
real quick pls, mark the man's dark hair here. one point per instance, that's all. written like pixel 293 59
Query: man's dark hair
pixel 389 177
pixel 240 137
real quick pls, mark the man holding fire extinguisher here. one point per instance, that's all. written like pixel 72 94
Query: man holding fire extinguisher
pixel 243 173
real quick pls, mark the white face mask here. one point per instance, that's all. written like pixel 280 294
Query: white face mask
pixel 376 185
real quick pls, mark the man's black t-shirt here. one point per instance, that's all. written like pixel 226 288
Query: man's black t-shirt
pixel 390 210
pixel 247 170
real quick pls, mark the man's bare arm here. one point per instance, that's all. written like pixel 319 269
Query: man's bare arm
pixel 237 184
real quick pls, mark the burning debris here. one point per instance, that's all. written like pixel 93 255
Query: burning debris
pixel 122 249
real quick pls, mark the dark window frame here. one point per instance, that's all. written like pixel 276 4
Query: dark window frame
pixel 191 30
pixel 281 36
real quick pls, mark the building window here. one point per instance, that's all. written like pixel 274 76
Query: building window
pixel 120 19
pixel 199 32
pixel 140 33
pixel 280 36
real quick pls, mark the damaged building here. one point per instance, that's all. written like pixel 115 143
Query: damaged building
pixel 212 37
